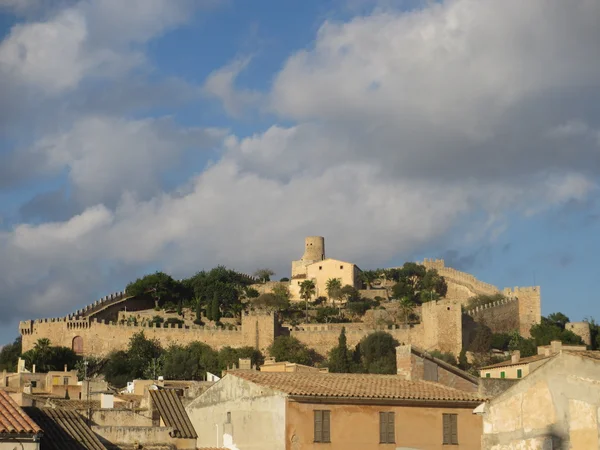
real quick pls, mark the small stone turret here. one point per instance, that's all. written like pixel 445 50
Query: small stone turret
pixel 581 329
pixel 314 249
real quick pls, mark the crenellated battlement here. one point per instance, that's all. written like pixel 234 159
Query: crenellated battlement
pixel 474 311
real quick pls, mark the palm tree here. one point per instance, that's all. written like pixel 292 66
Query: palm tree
pixel 368 276
pixel 334 289
pixel 42 345
pixel 406 308
pixel 307 290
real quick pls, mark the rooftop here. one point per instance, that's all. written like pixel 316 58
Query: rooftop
pixel 64 430
pixel 173 413
pixel 13 420
pixel 355 386
pixel 520 362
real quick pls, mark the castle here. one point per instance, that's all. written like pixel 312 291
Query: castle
pixel 444 324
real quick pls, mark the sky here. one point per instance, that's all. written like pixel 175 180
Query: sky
pixel 178 135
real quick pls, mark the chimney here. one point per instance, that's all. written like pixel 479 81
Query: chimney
pixel 547 351
pixel 515 357
pixel 245 363
pixel 65 368
pixel 556 347
pixel 33 369
pixel 404 361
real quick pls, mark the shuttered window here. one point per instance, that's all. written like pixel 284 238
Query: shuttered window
pixel 450 429
pixel 322 426
pixel 387 433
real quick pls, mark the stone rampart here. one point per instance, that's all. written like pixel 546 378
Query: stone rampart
pixel 470 285
pixel 100 337
pixel 501 316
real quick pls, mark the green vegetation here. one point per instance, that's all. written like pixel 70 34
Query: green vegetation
pixel 264 275
pixel 288 348
pixel 47 357
pixel 9 355
pixel 446 357
pixel 340 357
pixel 482 300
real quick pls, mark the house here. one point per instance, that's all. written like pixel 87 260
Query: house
pixel 277 411
pixel 64 430
pixel 17 429
pixel 57 382
pixel 554 407
pixel 517 367
pixel 271 365
pixel 168 411
pixel 415 364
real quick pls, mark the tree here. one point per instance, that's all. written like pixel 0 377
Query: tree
pixel 162 287
pixel 447 357
pixel 47 357
pixel 351 294
pixel 307 290
pixel 406 308
pixel 229 356
pixel 9 355
pixel 141 353
pixel 271 302
pixel 340 357
pixel 288 348
pixel 198 307
pixel 501 341
pixel 215 309
pixel 190 362
pixel 378 353
pixel 594 334
pixel 251 292
pixel 334 289
pixel 482 339
pixel 526 347
pixel 264 275
pixel 552 328
pixel 369 277
pixel 282 292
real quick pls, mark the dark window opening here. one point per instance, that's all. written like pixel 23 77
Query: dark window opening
pixel 450 429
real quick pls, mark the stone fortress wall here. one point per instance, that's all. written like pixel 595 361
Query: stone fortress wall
pixel 95 327
pixel 500 316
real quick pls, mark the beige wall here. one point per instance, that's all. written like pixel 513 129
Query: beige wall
pixel 511 372
pixel 555 407
pixel 257 416
pixel 321 271
pixel 355 427
pixel 20 445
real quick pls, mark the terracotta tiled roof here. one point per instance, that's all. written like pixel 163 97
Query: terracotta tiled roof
pixel 173 413
pixel 354 386
pixel 64 430
pixel 13 420
pixel 521 362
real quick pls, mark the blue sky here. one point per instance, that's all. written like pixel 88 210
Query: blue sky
pixel 178 135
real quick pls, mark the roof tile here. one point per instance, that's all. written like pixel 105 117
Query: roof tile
pixel 172 412
pixel 356 386
pixel 13 420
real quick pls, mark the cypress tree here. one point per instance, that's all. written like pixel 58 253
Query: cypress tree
pixel 339 357
pixel 216 312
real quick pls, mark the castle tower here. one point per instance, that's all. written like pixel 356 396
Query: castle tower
pixel 581 329
pixel 314 250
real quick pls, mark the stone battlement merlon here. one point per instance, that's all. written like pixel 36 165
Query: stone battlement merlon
pixel 495 304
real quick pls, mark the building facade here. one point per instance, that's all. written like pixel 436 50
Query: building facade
pixel 292 411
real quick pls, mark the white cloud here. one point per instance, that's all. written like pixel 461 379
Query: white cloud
pixel 221 84
pixel 107 156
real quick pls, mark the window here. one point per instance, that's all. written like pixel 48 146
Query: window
pixel 322 431
pixel 228 417
pixel 488 375
pixel 386 428
pixel 34 384
pixel 502 374
pixel 320 267
pixel 519 373
pixel 450 429
pixel 341 267
pixel 66 381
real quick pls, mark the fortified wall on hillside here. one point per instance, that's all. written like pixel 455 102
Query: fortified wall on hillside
pixel 93 330
pixel 521 309
pixel 90 331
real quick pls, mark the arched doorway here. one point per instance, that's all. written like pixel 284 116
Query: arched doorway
pixel 78 345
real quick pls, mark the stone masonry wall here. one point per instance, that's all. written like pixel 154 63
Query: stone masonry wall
pixel 501 316
pixel 101 337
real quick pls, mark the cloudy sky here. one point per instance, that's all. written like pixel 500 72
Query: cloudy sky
pixel 176 135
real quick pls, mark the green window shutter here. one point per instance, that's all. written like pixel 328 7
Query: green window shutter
pixel 391 422
pixel 519 373
pixel 382 427
pixel 326 426
pixel 447 429
pixel 488 375
pixel 454 421
pixel 502 374
pixel 318 426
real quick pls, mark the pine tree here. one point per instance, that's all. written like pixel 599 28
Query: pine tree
pixel 198 310
pixel 216 312
pixel 339 357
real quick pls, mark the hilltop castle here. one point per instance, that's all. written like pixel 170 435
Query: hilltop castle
pixel 94 329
